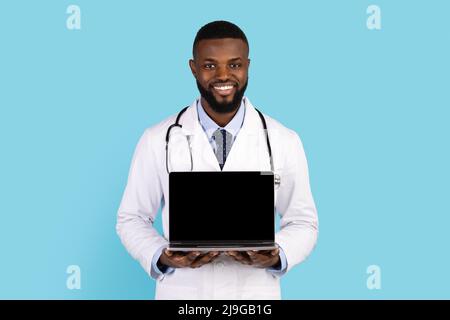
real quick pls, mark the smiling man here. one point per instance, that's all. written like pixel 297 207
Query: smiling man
pixel 211 125
pixel 220 67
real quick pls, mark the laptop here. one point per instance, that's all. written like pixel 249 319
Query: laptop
pixel 221 211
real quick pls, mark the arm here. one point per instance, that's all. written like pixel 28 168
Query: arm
pixel 299 223
pixel 139 206
pixel 140 203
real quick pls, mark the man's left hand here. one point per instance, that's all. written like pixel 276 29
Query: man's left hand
pixel 256 258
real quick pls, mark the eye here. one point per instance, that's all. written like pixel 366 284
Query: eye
pixel 209 66
pixel 235 65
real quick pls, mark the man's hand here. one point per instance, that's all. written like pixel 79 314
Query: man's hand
pixel 186 259
pixel 258 259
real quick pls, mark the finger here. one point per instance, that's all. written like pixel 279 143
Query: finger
pixel 191 256
pixel 184 259
pixel 177 261
pixel 241 257
pixel 207 258
pixel 253 255
pixel 260 258
pixel 265 261
pixel 214 258
pixel 178 258
pixel 212 255
pixel 175 254
pixel 258 252
pixel 234 254
pixel 264 251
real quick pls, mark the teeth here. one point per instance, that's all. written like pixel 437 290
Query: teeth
pixel 223 87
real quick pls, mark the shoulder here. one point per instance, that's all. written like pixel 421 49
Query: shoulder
pixel 286 145
pixel 280 131
pixel 276 128
pixel 156 134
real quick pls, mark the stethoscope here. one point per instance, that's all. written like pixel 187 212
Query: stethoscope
pixel 277 179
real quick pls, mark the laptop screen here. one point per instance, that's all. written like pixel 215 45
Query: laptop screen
pixel 221 207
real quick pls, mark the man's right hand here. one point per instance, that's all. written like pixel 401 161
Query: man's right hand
pixel 186 259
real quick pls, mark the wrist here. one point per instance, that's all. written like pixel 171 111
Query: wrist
pixel 277 263
pixel 160 265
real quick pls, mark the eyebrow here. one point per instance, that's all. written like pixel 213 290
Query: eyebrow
pixel 229 60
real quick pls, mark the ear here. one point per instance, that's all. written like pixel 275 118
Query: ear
pixel 193 68
pixel 248 63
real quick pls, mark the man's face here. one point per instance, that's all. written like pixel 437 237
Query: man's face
pixel 220 67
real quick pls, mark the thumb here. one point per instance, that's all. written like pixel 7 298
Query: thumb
pixel 168 253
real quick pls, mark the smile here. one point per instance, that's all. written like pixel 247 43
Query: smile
pixel 224 89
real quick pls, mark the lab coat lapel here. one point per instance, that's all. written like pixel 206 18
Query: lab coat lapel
pixel 203 155
pixel 244 153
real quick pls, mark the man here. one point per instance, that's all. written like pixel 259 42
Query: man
pixel 211 126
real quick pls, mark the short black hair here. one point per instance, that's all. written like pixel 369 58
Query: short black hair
pixel 218 30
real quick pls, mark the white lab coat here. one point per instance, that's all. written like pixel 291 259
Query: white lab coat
pixel 147 190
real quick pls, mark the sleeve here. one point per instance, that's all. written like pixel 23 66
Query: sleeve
pixel 299 222
pixel 156 272
pixel 279 271
pixel 139 206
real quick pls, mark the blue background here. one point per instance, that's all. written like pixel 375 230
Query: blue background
pixel 371 107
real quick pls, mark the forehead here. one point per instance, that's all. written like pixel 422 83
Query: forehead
pixel 221 49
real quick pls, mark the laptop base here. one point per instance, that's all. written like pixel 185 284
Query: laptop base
pixel 221 248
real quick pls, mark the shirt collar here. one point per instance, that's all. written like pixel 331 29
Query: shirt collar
pixel 209 126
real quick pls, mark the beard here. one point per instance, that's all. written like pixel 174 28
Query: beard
pixel 222 107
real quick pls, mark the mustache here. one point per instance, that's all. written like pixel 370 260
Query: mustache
pixel 207 94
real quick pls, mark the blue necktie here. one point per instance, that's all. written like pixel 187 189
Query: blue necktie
pixel 224 140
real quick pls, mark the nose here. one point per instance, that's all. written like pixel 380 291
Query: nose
pixel 222 73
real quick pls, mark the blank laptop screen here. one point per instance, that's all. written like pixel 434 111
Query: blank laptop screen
pixel 221 207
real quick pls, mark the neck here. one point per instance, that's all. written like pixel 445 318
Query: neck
pixel 222 119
